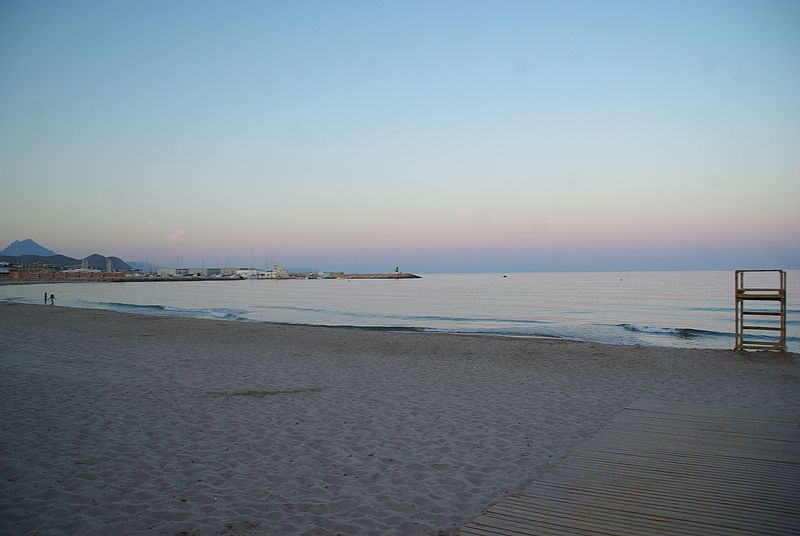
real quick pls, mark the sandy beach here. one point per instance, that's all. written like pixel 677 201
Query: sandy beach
pixel 121 424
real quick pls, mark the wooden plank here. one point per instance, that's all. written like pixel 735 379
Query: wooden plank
pixel 692 411
pixel 679 408
pixel 666 468
pixel 717 454
pixel 745 421
pixel 563 522
pixel 708 424
pixel 778 483
pixel 635 508
pixel 763 346
pixel 728 488
pixel 744 416
pixel 767 432
pixel 739 452
pixel 705 501
pixel 600 517
pixel 479 530
pixel 617 520
pixel 780 436
pixel 634 499
pixel 641 437
pixel 544 524
pixel 776 511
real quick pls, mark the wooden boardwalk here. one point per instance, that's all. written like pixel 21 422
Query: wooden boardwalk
pixel 663 468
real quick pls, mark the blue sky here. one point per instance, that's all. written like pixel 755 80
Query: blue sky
pixel 440 136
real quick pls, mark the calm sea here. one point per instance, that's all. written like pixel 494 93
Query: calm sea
pixel 686 309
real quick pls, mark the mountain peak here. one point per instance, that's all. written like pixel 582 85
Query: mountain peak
pixel 26 247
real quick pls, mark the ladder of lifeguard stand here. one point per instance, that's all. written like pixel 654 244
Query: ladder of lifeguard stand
pixel 746 319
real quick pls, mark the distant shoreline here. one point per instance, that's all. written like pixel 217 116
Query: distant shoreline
pixel 48 281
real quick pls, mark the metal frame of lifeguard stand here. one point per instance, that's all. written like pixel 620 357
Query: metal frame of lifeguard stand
pixel 760 294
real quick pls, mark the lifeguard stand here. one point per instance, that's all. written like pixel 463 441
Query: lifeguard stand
pixel 770 305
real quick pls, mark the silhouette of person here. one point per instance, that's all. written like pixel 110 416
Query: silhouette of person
pixel 52 299
pixel 45 298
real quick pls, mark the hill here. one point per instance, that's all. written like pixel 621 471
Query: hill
pixel 95 262
pixel 98 262
pixel 26 247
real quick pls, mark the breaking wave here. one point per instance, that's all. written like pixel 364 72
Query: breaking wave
pixel 415 318
pixel 684 333
pixel 166 310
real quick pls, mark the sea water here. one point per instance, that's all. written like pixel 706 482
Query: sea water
pixel 682 309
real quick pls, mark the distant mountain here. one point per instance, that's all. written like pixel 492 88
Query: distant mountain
pixel 27 252
pixel 98 262
pixel 60 261
pixel 95 262
pixel 26 247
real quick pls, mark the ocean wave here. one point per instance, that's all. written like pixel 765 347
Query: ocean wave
pixel 469 319
pixel 403 329
pixel 290 308
pixel 684 333
pixel 711 309
pixel 494 331
pixel 131 306
pixel 422 318
pixel 166 310
pixel 490 331
pixel 19 299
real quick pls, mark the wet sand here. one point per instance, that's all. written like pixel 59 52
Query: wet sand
pixel 117 424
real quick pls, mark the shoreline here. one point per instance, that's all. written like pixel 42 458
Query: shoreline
pixel 121 422
pixel 48 281
pixel 404 329
pixel 387 329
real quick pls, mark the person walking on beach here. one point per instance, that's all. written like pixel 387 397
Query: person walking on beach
pixel 52 299
pixel 45 298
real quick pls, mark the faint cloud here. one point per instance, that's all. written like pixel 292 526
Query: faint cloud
pixel 181 237
pixel 152 222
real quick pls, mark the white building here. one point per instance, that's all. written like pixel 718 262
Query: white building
pixel 173 272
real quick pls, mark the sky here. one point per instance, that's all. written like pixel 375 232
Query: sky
pixel 435 136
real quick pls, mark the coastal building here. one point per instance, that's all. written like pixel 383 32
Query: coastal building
pixel 72 275
pixel 277 272
pixel 191 272
pixel 173 272
pixel 81 271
